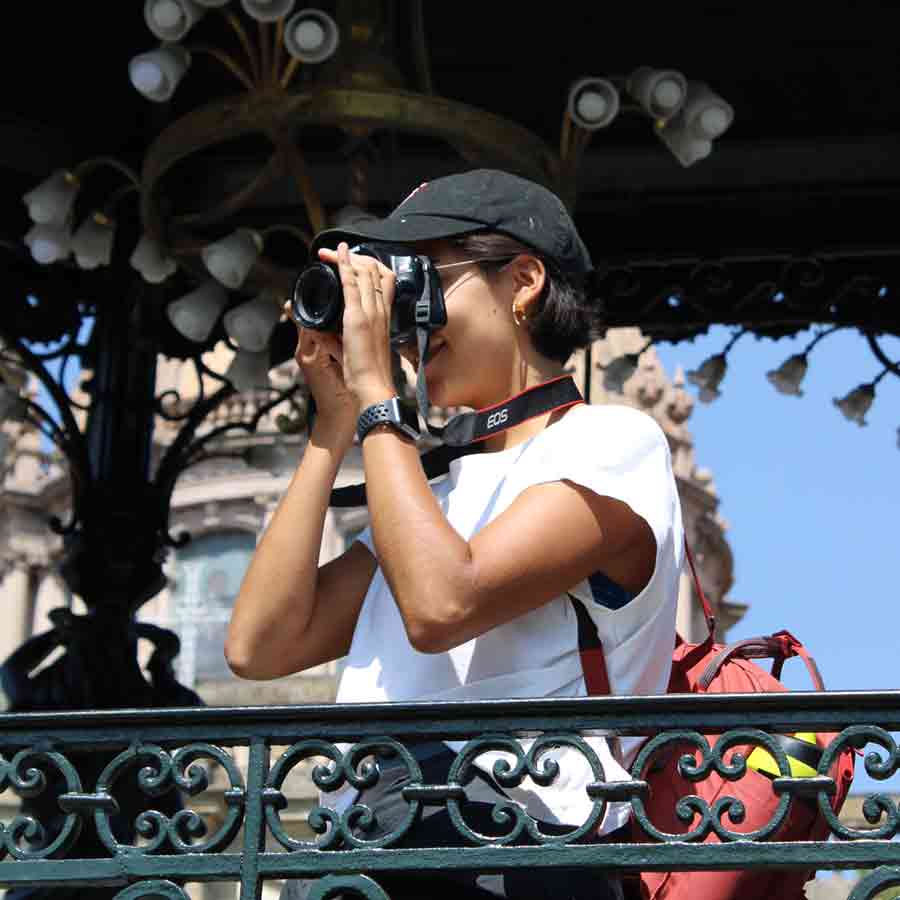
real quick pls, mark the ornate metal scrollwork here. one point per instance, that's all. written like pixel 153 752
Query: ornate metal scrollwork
pixel 532 764
pixel 358 768
pixel 771 295
pixel 161 773
pixel 799 277
pixel 868 887
pixel 336 885
pixel 703 806
pixel 25 774
pixel 153 890
pixel 712 759
pixel 712 279
pixel 876 806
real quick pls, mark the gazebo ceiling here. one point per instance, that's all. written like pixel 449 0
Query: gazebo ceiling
pixel 811 164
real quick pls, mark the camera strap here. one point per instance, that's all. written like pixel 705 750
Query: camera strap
pixel 464 433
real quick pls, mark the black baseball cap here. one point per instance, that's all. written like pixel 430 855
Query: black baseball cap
pixel 478 200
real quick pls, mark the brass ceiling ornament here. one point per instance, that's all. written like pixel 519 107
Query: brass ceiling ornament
pixel 359 92
pixel 309 79
pixel 351 83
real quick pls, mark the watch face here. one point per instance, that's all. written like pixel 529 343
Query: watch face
pixel 407 415
pixel 404 417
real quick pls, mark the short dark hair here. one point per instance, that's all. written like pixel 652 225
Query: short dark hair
pixel 565 319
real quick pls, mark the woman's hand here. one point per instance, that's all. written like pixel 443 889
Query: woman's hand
pixel 319 356
pixel 368 288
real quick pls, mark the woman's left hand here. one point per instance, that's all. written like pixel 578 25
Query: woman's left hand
pixel 368 287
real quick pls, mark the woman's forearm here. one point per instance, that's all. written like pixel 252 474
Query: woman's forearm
pixel 425 561
pixel 278 592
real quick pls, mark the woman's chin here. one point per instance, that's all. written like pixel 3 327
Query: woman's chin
pixel 436 392
pixel 441 393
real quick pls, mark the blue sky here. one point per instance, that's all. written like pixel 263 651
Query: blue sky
pixel 812 501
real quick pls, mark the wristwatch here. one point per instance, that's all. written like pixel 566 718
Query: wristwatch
pixel 389 412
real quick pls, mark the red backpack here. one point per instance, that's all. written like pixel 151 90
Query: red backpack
pixel 712 668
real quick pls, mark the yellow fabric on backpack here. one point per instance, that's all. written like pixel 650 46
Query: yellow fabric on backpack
pixel 762 761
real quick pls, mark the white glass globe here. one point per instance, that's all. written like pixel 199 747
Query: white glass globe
pixel 667 94
pixel 195 314
pixel 167 14
pixel 45 251
pixel 147 77
pixel 249 371
pixel 700 149
pixel 156 74
pixel 713 121
pixel 591 106
pixel 148 259
pixel 221 266
pixel 51 201
pixel 41 212
pixel 251 324
pixel 48 243
pixel 229 260
pixel 309 35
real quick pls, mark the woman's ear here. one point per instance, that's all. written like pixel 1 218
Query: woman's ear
pixel 529 276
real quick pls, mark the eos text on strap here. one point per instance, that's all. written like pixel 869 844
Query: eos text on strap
pixel 468 428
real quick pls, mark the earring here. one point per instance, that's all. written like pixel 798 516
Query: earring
pixel 519 317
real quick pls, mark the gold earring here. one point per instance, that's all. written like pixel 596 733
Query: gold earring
pixel 519 317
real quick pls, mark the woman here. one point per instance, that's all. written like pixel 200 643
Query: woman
pixel 467 589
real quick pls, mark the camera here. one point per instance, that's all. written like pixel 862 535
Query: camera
pixel 317 301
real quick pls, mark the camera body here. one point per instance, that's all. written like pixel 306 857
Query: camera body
pixel 317 300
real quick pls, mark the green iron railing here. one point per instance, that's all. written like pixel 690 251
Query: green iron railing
pixel 78 765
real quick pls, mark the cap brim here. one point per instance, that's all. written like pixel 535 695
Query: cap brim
pixel 402 230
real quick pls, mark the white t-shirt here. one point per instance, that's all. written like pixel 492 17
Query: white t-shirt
pixel 616 452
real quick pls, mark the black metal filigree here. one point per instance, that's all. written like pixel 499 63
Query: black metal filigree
pixel 535 764
pixel 161 772
pixel 878 809
pixel 357 767
pixel 153 890
pixel 30 773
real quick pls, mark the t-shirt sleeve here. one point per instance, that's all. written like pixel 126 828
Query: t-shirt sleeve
pixel 618 452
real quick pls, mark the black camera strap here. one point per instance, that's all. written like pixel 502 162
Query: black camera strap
pixel 464 433
pixel 474 427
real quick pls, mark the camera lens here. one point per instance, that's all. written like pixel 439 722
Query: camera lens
pixel 318 301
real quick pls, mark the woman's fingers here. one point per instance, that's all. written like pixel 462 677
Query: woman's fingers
pixel 368 288
pixel 353 266
pixel 319 347
pixel 357 282
pixel 372 295
pixel 347 271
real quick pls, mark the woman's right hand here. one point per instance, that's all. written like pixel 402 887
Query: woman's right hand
pixel 320 357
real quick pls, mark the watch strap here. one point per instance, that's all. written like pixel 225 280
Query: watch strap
pixel 388 412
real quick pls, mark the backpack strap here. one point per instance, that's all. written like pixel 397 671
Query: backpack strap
pixel 701 596
pixel 790 646
pixel 590 647
pixel 779 646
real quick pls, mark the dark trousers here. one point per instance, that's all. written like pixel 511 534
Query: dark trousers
pixel 435 829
